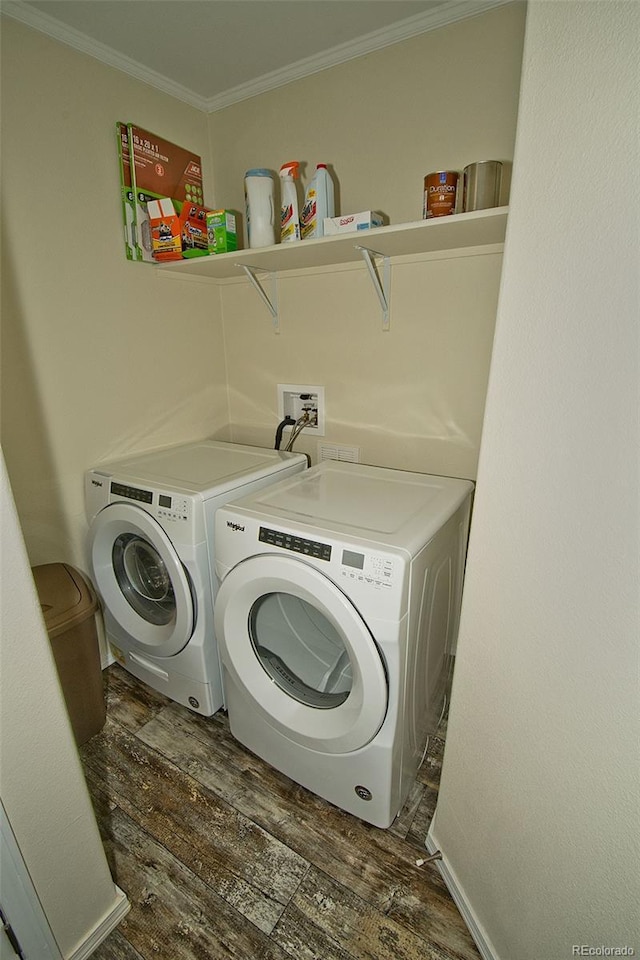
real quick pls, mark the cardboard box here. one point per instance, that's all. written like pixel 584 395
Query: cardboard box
pixel 177 235
pixel 165 227
pixel 222 234
pixel 159 169
pixel 126 192
pixel 193 228
pixel 352 222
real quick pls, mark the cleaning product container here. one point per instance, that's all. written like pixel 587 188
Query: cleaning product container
pixel 69 605
pixel 289 211
pixel 319 203
pixel 259 194
pixel 482 182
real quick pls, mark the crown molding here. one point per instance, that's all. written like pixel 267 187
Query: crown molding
pixel 449 12
pixel 99 51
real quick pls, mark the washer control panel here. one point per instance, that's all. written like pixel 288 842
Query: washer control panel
pixel 171 507
pixel 131 493
pixel 165 506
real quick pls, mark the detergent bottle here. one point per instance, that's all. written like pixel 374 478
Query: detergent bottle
pixel 318 203
pixel 289 215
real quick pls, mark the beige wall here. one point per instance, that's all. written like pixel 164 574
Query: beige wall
pixel 412 397
pixel 99 355
pixel 102 357
pixel 437 101
pixel 539 802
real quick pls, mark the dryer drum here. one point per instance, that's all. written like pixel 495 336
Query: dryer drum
pixel 300 650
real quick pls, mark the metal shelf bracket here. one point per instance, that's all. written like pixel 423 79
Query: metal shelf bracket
pixel 271 302
pixel 383 289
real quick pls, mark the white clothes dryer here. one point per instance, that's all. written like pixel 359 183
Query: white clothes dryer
pixel 336 617
pixel 151 552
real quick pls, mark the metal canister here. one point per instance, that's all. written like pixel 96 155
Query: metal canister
pixel 482 181
pixel 440 190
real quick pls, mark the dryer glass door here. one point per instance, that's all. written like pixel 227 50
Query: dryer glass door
pixel 148 602
pixel 301 654
pixel 301 650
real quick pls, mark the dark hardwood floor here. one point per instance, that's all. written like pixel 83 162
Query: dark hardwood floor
pixel 223 857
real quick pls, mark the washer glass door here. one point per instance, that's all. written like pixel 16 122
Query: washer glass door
pixel 300 653
pixel 148 601
pixel 144 579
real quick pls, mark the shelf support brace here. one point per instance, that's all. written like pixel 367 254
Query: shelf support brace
pixel 271 303
pixel 382 289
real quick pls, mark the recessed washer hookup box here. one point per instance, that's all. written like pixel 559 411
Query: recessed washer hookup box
pixel 352 222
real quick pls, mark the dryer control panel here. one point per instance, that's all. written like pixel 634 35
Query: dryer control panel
pixel 367 568
pixel 309 548
pixel 374 579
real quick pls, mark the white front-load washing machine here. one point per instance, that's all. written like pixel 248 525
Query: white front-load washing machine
pixel 337 613
pixel 151 551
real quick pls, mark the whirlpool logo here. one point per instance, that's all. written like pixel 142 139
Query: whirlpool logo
pixel 236 527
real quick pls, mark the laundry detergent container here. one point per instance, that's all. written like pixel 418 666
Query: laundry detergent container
pixel 69 606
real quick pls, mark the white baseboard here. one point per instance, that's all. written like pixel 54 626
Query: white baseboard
pixel 106 659
pixel 104 928
pixel 482 942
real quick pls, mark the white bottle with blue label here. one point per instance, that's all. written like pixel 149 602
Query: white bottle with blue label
pixel 259 194
pixel 319 203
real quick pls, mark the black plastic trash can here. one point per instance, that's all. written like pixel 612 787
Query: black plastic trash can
pixel 69 606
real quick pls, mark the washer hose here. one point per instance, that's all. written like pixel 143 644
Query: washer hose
pixel 287 422
pixel 299 426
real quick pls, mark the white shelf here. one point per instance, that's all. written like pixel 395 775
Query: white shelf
pixel 480 228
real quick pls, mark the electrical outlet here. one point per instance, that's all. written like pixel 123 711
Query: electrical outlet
pixel 296 399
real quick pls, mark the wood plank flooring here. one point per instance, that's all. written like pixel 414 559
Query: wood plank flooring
pixel 223 857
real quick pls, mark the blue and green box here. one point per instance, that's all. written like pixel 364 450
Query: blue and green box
pixel 222 231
